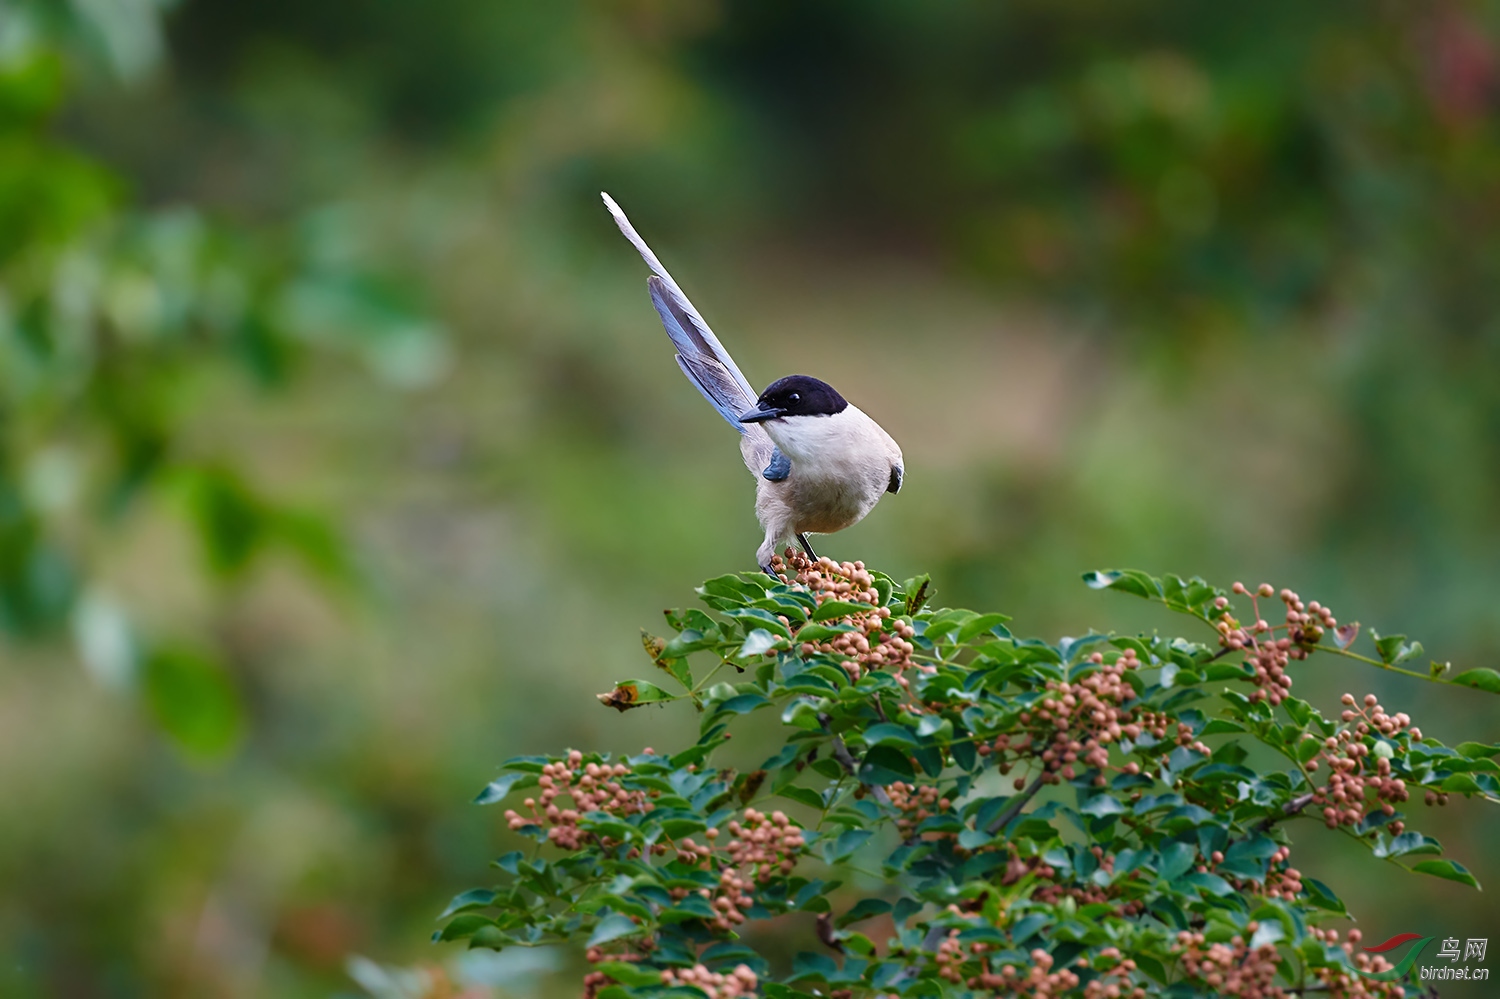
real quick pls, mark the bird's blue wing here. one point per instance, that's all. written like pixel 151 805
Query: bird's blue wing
pixel 779 468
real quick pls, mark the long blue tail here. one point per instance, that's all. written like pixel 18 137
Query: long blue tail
pixel 699 353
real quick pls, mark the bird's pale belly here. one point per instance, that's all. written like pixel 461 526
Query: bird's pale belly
pixel 826 506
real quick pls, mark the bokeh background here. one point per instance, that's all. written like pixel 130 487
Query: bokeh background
pixel 342 455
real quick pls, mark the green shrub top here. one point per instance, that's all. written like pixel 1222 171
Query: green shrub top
pixel 1028 818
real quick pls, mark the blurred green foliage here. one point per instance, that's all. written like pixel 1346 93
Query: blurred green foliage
pixel 1155 284
pixel 113 315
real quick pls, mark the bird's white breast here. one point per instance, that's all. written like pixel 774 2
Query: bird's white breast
pixel 841 466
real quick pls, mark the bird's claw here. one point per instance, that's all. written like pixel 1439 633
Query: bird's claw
pixel 802 540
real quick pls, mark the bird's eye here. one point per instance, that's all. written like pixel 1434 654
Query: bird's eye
pixel 793 397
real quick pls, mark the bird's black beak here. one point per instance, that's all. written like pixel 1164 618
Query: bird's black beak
pixel 761 415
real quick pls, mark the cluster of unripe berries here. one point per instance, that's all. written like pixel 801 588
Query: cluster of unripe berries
pixel 1340 983
pixel 1351 775
pixel 1077 721
pixel 594 981
pixel 739 982
pixel 769 843
pixel 1083 894
pixel 1285 883
pixel 877 640
pixel 1036 980
pixel 916 803
pixel 1231 969
pixel 1304 626
pixel 759 849
pixel 592 787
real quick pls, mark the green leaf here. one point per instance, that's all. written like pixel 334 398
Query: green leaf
pixel 688 642
pixel 630 974
pixel 476 898
pixel 839 608
pixel 758 643
pixel 1410 651
pixel 1480 679
pixel 973 839
pixel 1409 842
pixel 822 632
pixel 889 734
pixel 934 725
pixel 885 765
pixel 1394 649
pixel 865 908
pixel 1101 805
pixel 1322 896
pixel 979 625
pixel 801 713
pixel 1476 750
pixel 848 841
pixel 1461 783
pixel 734 588
pixel 740 704
pixel 1450 869
pixel 232 522
pixel 464 925
pixel 752 617
pixel 1300 711
pixel 1269 932
pixel 612 927
pixel 802 795
pixel 194 701
pixel 1386 646
pixel 497 789
pixel 1126 581
pixel 1176 858
pixel 1211 883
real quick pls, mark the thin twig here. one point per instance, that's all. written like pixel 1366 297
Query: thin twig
pixel 851 766
pixel 1017 803
pixel 1291 808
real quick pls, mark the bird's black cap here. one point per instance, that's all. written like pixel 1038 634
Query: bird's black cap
pixel 796 395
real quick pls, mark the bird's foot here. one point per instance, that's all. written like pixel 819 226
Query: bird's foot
pixel 802 540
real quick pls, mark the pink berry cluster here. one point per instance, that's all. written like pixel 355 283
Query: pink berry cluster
pixel 1036 980
pixel 1342 985
pixel 762 847
pixel 768 844
pixel 1281 881
pixel 1305 624
pixel 916 803
pixel 1351 774
pixel 1078 720
pixel 1017 867
pixel 1231 969
pixel 877 640
pixel 594 981
pixel 1083 894
pixel 592 787
pixel 729 900
pixel 739 982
